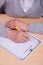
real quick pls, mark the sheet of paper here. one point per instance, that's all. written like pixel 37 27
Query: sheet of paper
pixel 20 50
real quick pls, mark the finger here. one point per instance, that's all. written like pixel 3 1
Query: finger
pixel 24 39
pixel 10 24
pixel 21 25
pixel 20 40
pixel 25 35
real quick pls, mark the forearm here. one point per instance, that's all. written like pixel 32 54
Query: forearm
pixel 36 28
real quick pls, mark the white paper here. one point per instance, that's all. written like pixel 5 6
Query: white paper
pixel 20 50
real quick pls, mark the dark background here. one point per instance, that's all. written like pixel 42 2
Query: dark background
pixel 2 10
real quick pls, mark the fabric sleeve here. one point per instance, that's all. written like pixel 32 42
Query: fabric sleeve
pixel 42 7
pixel 2 2
pixel 36 28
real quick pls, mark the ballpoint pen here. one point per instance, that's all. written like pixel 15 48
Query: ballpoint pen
pixel 17 28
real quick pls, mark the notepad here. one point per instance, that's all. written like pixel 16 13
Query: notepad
pixel 20 50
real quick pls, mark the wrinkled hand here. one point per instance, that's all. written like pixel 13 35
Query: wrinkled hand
pixel 17 36
pixel 13 23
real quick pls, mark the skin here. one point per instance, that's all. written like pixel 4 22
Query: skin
pixel 12 24
pixel 15 35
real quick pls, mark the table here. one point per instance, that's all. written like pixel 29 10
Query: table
pixel 36 58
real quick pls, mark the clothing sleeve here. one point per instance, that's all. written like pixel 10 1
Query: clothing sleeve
pixel 36 28
pixel 2 2
pixel 42 7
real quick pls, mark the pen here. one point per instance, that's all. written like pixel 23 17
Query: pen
pixel 20 30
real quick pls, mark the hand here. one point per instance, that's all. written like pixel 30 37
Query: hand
pixel 18 37
pixel 13 23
